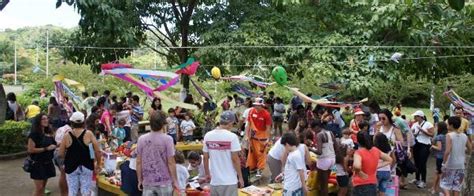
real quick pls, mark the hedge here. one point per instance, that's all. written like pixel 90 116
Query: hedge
pixel 12 136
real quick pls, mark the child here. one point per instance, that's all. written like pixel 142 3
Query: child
pixel 181 172
pixel 187 127
pixel 383 173
pixel 346 139
pixel 342 167
pixel 293 174
pixel 119 132
pixel 439 146
pixel 172 126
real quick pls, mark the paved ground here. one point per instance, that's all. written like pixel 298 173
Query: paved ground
pixel 14 181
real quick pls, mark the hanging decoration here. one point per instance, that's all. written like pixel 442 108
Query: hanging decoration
pixel 396 57
pixel 280 76
pixel 201 91
pixel 61 89
pixel 216 73
pixel 243 90
pixel 458 100
pixel 248 79
pixel 152 82
pixel 323 101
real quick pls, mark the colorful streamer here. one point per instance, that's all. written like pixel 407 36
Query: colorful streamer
pixel 61 88
pixel 200 90
pixel 241 89
pixel 458 100
pixel 323 102
pixel 248 79
pixel 146 80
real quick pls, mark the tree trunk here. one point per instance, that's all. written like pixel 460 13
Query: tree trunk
pixel 3 104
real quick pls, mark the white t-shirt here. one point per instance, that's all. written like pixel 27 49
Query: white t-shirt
pixel 420 136
pixel 291 180
pixel 220 144
pixel 374 118
pixel 187 126
pixel 245 116
pixel 348 142
pixel 183 175
pixel 125 114
pixel 200 168
pixel 279 109
pixel 338 118
pixel 277 150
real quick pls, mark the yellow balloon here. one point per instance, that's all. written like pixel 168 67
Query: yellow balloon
pixel 216 73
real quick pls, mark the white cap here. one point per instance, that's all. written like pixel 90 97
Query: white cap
pixel 418 113
pixel 259 101
pixel 77 117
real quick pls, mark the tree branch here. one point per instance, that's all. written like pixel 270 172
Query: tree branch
pixel 176 12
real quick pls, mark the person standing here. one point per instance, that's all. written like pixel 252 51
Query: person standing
pixel 465 125
pixel 172 125
pixel 274 158
pixel 440 147
pixel 366 162
pixel 221 148
pixel 226 104
pixel 156 165
pixel 354 124
pixel 76 149
pixel 58 161
pixel 17 113
pixel 88 103
pixel 41 145
pixel 137 116
pixel 278 111
pixel 326 156
pixel 294 171
pixel 155 105
pixel 423 132
pixel 454 158
pixel 55 113
pixel 258 133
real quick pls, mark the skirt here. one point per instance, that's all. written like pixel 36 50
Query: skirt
pixel 43 170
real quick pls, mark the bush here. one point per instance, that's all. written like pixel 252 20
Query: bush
pixel 12 138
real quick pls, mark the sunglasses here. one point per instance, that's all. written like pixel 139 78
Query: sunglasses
pixel 383 118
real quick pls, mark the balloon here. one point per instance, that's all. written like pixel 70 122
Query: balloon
pixel 216 73
pixel 279 75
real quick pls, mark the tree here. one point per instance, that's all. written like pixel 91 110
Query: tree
pixel 122 23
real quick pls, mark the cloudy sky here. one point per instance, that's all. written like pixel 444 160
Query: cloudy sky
pixel 21 13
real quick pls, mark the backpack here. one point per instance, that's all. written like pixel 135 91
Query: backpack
pixel 10 115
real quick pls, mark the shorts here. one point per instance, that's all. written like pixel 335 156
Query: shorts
pixel 439 162
pixel 155 190
pixel 224 190
pixel 325 163
pixel 452 179
pixel 364 190
pixel 297 192
pixel 277 118
pixel 342 181
pixel 383 178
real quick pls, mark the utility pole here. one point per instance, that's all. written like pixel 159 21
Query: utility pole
pixel 47 53
pixel 15 64
pixel 37 55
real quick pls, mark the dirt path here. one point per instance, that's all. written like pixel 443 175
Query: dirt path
pixel 14 181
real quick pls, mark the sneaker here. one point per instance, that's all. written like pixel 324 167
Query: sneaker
pixel 414 181
pixel 421 185
pixel 258 174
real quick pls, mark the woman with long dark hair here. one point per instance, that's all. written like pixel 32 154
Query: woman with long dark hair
pixel 155 106
pixel 366 162
pixel 15 108
pixel 386 126
pixel 41 146
pixel 54 113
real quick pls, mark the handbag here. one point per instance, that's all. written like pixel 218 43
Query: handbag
pixel 400 153
pixel 28 164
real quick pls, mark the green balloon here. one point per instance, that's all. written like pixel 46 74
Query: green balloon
pixel 279 75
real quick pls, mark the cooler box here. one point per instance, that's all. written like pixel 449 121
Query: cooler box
pixel 393 186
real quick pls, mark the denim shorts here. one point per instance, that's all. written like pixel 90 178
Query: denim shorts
pixel 343 181
pixel 383 178
pixel 297 192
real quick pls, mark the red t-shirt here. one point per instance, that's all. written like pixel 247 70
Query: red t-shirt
pixel 370 161
pixel 260 119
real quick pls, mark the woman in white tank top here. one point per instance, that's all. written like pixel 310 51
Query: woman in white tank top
pixel 386 127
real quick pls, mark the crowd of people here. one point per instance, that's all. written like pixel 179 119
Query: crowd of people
pixel 365 146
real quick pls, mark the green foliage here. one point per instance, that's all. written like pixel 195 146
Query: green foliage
pixel 12 138
pixel 25 100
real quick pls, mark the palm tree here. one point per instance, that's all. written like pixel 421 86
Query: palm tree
pixel 3 104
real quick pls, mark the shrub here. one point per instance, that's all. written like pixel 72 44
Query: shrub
pixel 12 136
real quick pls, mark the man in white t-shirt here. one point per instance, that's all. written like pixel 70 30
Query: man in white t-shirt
pixel 293 175
pixel 222 147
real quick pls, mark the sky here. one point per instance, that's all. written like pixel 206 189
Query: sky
pixel 22 13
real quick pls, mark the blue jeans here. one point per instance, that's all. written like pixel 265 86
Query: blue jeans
pixel 173 136
pixel 383 177
pixel 297 192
